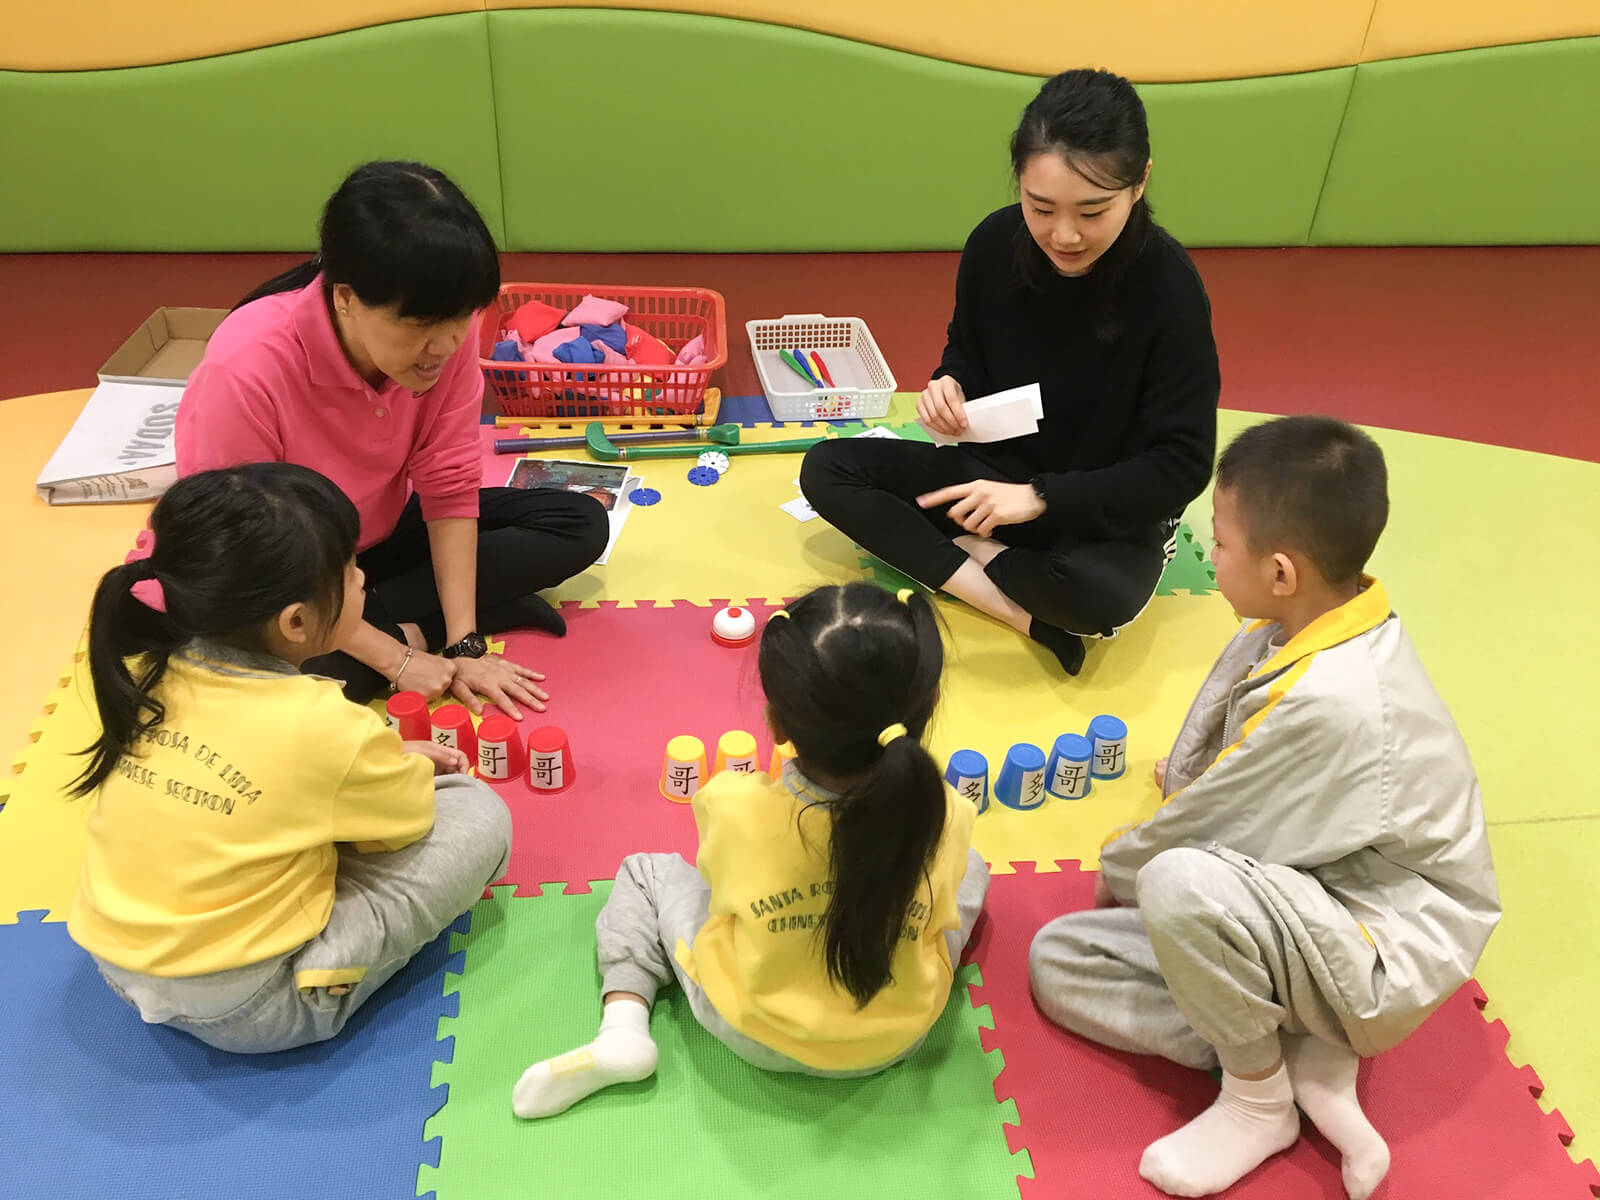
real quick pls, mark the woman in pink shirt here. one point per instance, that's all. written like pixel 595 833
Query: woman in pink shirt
pixel 363 364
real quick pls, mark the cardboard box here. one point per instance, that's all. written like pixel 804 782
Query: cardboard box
pixel 165 348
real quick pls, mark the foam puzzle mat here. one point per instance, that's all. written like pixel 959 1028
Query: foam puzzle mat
pixel 638 666
pixel 1457 1115
pixel 705 1123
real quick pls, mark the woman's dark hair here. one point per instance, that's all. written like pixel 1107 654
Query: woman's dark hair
pixel 401 233
pixel 231 550
pixel 848 663
pixel 1095 121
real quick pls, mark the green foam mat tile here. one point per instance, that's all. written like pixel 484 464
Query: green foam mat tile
pixel 706 1123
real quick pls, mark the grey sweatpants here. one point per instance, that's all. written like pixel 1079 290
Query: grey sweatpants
pixel 386 907
pixel 1203 971
pixel 659 899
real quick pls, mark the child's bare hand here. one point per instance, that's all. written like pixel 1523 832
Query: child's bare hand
pixel 447 760
pixel 1160 774
pixel 1102 893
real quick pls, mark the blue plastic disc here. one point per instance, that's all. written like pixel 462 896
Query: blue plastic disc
pixel 644 496
pixel 703 476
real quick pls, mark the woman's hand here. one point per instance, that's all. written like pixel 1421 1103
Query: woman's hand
pixel 447 760
pixel 1102 893
pixel 941 407
pixel 983 505
pixel 426 673
pixel 503 682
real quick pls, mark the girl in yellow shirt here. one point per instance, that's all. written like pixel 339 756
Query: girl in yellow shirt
pixel 820 931
pixel 261 854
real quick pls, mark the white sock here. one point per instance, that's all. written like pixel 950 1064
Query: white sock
pixel 1252 1120
pixel 622 1052
pixel 1324 1080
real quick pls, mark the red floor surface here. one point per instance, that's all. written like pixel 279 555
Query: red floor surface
pixel 1487 344
pixel 623 682
pixel 1460 1120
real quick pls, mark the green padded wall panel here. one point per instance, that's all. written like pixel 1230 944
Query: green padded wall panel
pixel 652 131
pixel 239 152
pixel 1476 146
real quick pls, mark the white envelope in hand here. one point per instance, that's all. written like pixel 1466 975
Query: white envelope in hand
pixel 1014 412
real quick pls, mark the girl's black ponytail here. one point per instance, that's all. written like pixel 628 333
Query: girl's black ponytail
pixel 853 678
pixel 129 647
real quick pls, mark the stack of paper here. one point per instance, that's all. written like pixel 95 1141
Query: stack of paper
pixel 1015 412
pixel 120 447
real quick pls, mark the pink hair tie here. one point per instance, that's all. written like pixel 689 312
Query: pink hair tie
pixel 143 545
pixel 149 593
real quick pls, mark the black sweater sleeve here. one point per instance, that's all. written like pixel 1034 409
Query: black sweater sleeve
pixel 1174 434
pixel 963 357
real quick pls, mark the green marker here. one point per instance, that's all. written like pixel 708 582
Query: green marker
pixel 794 364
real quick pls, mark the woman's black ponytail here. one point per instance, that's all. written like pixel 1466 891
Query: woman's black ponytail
pixel 853 678
pixel 228 551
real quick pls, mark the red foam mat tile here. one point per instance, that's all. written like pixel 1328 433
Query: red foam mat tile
pixel 1460 1119
pixel 623 682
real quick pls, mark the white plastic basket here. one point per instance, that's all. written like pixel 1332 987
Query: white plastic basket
pixel 862 381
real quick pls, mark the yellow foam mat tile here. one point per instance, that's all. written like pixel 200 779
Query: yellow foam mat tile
pixel 1540 970
pixel 729 542
pixel 1000 689
pixel 52 556
pixel 41 830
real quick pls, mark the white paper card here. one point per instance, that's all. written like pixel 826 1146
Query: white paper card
pixel 1015 412
pixel 799 508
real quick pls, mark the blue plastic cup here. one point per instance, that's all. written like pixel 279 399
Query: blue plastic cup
pixel 968 773
pixel 1110 738
pixel 1021 782
pixel 1067 775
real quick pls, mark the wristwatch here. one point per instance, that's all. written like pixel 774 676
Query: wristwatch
pixel 1037 484
pixel 471 646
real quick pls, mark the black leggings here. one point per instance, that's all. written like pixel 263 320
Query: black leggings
pixel 867 489
pixel 528 540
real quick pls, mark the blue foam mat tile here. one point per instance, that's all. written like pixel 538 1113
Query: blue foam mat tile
pixel 97 1103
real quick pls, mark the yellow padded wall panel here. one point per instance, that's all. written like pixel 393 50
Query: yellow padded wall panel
pixel 87 35
pixel 1401 28
pixel 1150 41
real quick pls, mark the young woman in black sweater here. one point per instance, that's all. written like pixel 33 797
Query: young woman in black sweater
pixel 1061 534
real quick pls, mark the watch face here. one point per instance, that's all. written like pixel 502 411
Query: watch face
pixel 471 646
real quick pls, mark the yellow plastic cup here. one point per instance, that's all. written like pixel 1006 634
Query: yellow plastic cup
pixel 683 769
pixel 781 753
pixel 736 751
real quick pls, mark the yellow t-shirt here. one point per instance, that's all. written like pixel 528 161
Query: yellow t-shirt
pixel 759 955
pixel 212 844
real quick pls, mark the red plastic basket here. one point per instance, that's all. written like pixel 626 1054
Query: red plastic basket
pixel 674 315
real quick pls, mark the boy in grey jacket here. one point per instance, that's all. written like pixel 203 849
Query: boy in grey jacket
pixel 1317 879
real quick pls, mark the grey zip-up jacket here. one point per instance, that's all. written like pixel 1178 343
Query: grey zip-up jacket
pixel 1333 773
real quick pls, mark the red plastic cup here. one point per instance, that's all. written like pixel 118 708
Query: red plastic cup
pixel 550 765
pixel 499 749
pixel 452 726
pixel 408 716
